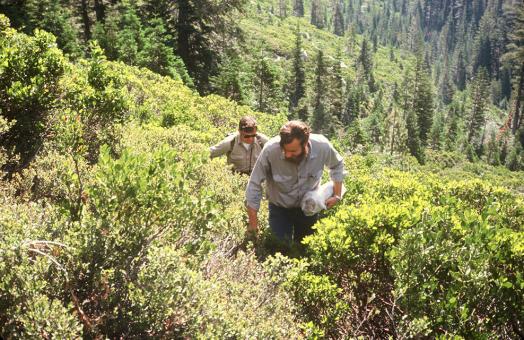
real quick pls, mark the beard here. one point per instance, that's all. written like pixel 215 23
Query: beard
pixel 299 158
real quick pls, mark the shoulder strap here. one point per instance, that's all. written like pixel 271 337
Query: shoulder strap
pixel 259 140
pixel 231 146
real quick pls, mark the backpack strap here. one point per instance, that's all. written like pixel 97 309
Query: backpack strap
pixel 259 141
pixel 231 146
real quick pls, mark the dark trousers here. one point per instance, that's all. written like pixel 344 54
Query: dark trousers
pixel 290 224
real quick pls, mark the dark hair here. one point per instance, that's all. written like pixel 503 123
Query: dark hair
pixel 294 129
pixel 247 124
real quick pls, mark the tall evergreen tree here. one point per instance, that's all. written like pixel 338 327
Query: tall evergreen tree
pixel 452 131
pixel 460 72
pixel 422 99
pixel 299 75
pixel 446 88
pixel 436 137
pixel 338 20
pixel 199 23
pixel 53 17
pixel 158 56
pixel 336 88
pixel 267 87
pixel 514 15
pixel 365 58
pixel 479 101
pixel 413 140
pixel 320 120
pixel 298 8
pixel 317 14
pixel 354 96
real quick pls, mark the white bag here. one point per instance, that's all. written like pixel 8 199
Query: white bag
pixel 315 200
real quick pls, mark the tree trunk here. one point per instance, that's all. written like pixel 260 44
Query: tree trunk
pixel 100 10
pixel 85 20
pixel 518 98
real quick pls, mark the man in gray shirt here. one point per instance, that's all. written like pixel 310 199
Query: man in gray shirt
pixel 292 164
pixel 242 148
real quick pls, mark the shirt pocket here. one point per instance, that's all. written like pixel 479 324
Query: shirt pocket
pixel 284 183
pixel 313 179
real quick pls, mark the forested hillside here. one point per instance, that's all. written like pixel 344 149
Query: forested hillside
pixel 115 223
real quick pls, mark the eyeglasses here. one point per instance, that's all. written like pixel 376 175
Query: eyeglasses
pixel 249 136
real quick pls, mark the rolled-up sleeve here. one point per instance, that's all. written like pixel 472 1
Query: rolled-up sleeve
pixel 254 186
pixel 335 163
pixel 222 147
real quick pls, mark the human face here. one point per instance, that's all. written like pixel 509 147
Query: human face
pixel 294 151
pixel 248 137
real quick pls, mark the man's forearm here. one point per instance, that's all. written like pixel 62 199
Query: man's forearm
pixel 337 189
pixel 253 219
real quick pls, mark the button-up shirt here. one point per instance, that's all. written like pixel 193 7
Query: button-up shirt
pixel 287 182
pixel 242 158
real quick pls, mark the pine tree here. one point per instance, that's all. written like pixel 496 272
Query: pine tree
pixel 423 100
pixel 199 26
pixel 446 89
pixel 336 88
pixel 413 139
pixel 493 150
pixel 452 129
pixel 266 84
pixel 299 75
pixel 460 73
pixel 282 8
pixel 130 36
pixel 514 16
pixel 231 81
pixel 437 133
pixel 354 96
pixel 365 58
pixel 320 120
pixel 53 17
pixel 317 14
pixel 479 101
pixel 298 8
pixel 339 19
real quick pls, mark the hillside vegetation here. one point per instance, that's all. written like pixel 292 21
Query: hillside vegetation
pixel 115 223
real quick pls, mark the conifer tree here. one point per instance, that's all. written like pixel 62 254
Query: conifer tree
pixel 423 99
pixel 365 58
pixel 460 72
pixel 336 88
pixel 446 88
pixel 266 84
pixel 299 75
pixel 452 128
pixel 437 133
pixel 298 8
pixel 157 56
pixel 479 101
pixel 354 96
pixel 413 140
pixel 53 17
pixel 338 25
pixel 514 15
pixel 199 23
pixel 320 120
pixel 493 150
pixel 317 14
pixel 231 81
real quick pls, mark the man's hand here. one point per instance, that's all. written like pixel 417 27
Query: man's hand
pixel 253 221
pixel 330 202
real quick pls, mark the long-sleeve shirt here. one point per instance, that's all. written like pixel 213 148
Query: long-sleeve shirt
pixel 287 182
pixel 243 158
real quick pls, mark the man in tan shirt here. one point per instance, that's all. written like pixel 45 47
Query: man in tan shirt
pixel 243 147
